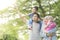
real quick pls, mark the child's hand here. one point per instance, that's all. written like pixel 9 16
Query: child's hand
pixel 30 28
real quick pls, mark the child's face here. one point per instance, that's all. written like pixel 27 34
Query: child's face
pixel 35 18
pixel 34 10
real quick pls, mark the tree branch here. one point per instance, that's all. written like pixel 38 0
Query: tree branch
pixel 40 6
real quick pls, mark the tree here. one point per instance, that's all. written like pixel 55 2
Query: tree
pixel 15 23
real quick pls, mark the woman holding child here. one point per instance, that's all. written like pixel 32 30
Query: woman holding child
pixel 45 29
pixel 48 30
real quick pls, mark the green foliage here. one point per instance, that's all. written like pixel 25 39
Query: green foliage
pixel 9 30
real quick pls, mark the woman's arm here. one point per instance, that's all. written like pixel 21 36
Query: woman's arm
pixel 51 32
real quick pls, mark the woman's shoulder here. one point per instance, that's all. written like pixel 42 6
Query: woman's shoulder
pixel 40 22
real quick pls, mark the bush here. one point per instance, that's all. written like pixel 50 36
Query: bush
pixel 9 37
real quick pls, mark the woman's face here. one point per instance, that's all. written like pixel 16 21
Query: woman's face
pixel 45 20
pixel 35 17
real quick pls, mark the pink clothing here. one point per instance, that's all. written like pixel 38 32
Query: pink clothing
pixel 50 26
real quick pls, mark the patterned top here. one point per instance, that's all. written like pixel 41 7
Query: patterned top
pixel 50 26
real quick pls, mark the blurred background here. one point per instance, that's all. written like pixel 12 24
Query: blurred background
pixel 13 27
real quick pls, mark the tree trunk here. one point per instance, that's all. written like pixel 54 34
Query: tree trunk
pixel 43 11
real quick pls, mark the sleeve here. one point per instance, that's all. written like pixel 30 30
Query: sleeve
pixel 52 30
pixel 29 14
pixel 40 24
pixel 51 26
pixel 30 23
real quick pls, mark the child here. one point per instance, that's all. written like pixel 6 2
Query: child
pixel 34 11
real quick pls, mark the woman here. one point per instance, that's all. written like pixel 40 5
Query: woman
pixel 49 28
pixel 35 28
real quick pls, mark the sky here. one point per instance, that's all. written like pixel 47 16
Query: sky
pixel 6 3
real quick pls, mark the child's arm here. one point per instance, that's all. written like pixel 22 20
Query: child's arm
pixel 51 26
pixel 23 17
pixel 46 25
pixel 30 24
pixel 45 28
pixel 51 32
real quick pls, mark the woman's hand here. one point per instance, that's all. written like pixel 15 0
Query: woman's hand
pixel 44 30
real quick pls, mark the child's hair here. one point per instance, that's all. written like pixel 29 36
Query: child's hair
pixel 36 8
